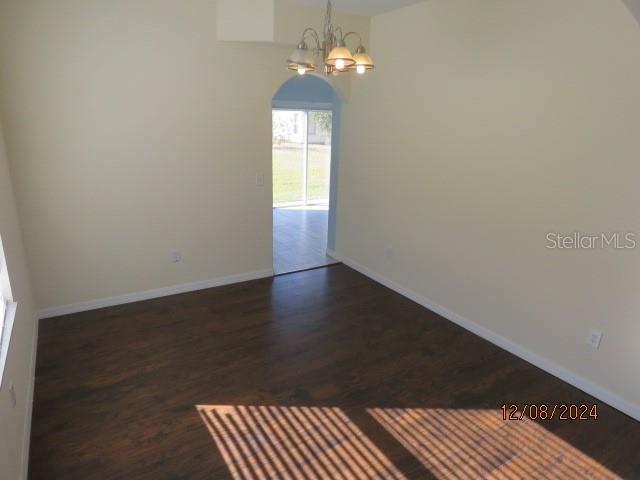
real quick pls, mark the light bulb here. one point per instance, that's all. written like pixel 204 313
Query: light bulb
pixel 361 69
pixel 340 64
pixel 302 70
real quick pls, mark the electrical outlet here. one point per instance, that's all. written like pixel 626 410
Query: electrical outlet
pixel 12 395
pixel 594 339
pixel 388 251
pixel 259 180
pixel 176 256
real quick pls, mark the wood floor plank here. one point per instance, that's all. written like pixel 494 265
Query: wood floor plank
pixel 116 389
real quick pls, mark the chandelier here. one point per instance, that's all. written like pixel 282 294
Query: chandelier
pixel 332 50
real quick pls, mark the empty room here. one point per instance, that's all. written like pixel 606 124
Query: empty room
pixel 319 239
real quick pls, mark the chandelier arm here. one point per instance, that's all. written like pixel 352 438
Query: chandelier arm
pixel 356 34
pixel 311 32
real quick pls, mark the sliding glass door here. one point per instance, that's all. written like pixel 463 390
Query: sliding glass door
pixel 301 157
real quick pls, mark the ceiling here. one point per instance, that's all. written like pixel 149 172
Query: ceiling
pixel 363 7
pixel 634 6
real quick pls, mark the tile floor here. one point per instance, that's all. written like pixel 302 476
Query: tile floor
pixel 300 238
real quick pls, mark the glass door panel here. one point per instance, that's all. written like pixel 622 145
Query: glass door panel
pixel 319 157
pixel 289 157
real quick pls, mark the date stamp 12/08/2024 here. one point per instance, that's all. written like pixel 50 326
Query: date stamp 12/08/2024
pixel 542 411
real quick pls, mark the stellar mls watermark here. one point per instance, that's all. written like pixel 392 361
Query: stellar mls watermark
pixel 600 241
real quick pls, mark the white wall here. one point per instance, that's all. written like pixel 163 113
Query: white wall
pixel 132 131
pixel 486 126
pixel 19 369
pixel 281 21
pixel 245 20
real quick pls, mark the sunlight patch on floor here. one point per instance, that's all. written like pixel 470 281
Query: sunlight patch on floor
pixel 294 443
pixel 463 444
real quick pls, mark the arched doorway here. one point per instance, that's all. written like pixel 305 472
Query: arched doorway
pixel 306 138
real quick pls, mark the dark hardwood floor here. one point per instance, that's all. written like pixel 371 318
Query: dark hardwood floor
pixel 116 389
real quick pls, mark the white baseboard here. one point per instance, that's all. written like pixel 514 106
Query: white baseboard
pixel 630 408
pixel 27 422
pixel 149 294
